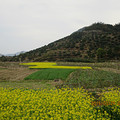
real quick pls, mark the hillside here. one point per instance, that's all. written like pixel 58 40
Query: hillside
pixel 98 42
pixel 0 55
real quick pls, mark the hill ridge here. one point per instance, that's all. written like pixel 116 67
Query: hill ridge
pixel 97 42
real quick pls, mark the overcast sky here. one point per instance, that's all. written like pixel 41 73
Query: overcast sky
pixel 30 24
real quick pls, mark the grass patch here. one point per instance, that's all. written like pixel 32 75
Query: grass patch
pixel 27 84
pixel 50 74
pixel 3 68
pixel 94 79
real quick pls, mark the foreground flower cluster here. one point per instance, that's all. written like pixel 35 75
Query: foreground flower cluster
pixel 113 96
pixel 61 104
pixel 52 65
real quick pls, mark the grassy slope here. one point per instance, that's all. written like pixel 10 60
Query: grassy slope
pixel 94 78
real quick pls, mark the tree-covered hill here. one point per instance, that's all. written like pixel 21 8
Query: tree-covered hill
pixel 98 42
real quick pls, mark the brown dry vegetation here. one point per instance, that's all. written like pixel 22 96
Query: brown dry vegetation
pixel 13 72
pixel 110 69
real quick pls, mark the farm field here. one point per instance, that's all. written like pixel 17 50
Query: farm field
pixel 94 78
pixel 50 74
pixel 12 74
pixel 59 104
pixel 64 95
pixel 39 65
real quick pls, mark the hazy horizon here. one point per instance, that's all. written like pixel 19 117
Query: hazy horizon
pixel 27 25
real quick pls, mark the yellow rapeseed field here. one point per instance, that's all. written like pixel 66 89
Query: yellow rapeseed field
pixel 113 96
pixel 52 65
pixel 39 63
pixel 59 104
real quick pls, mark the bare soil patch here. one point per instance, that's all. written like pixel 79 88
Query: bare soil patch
pixel 14 74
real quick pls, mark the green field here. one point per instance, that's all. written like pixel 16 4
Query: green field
pixel 50 74
pixel 94 79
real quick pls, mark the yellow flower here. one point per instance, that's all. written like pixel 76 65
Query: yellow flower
pixel 52 104
pixel 52 65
